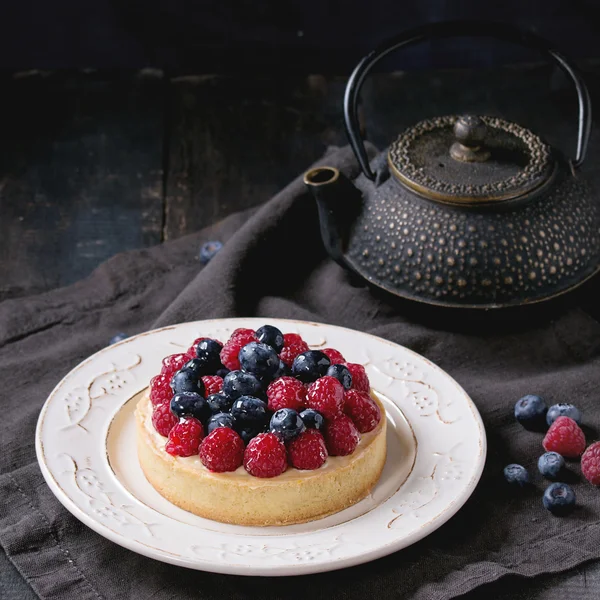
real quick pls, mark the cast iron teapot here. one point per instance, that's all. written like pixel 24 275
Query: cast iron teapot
pixel 463 211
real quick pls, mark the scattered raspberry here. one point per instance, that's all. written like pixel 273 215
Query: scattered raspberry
pixel 327 396
pixel 565 437
pixel 191 351
pixel 265 456
pixel 308 450
pixel 239 338
pixel 360 379
pixel 286 392
pixel 590 463
pixel 293 345
pixel 341 436
pixel 222 450
pixel 163 419
pixel 212 384
pixel 363 411
pixel 334 356
pixel 160 390
pixel 185 437
pixel 172 364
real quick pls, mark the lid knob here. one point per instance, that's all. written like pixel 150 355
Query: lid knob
pixel 469 133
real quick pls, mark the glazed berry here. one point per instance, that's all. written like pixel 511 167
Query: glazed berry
pixel 193 365
pixel 293 345
pixel 283 371
pixel 341 436
pixel 219 420
pixel 185 437
pixel 565 437
pixel 362 409
pixel 209 250
pixel 163 419
pixel 219 403
pixel 559 498
pixel 172 364
pixel 213 384
pixel 360 379
pixel 267 334
pixel 190 404
pixel 238 383
pixel 530 411
pixel 310 365
pixel 222 372
pixel 208 353
pixel 286 392
pixel 160 390
pixel 590 463
pixel 516 475
pixel 119 337
pixel 550 464
pixel 308 451
pixel 563 410
pixel 249 411
pixel 222 450
pixel 287 424
pixel 229 354
pixel 259 359
pixel 342 374
pixel 265 456
pixel 334 356
pixel 187 380
pixel 312 419
pixel 327 396
pixel 247 433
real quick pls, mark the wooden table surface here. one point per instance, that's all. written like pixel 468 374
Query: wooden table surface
pixel 97 163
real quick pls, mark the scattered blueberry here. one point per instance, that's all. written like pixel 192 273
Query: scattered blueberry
pixel 190 404
pixel 219 403
pixel 287 424
pixel 563 410
pixel 312 419
pixel 550 464
pixel 222 419
pixel 208 353
pixel 222 372
pixel 238 383
pixel 516 475
pixel 259 359
pixel 208 251
pixel 117 338
pixel 267 334
pixel 342 374
pixel 310 365
pixel 559 498
pixel 530 411
pixel 186 380
pixel 249 411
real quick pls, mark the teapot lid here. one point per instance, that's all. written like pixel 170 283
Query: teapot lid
pixel 470 159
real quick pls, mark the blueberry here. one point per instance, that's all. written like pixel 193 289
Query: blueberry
pixel 530 411
pixel 238 383
pixel 287 424
pixel 310 365
pixel 282 371
pixel 312 419
pixel 222 419
pixel 222 371
pixel 259 359
pixel 194 365
pixel 563 410
pixel 186 380
pixel 267 334
pixel 247 433
pixel 219 403
pixel 559 498
pixel 516 475
pixel 119 337
pixel 249 411
pixel 342 374
pixel 550 464
pixel 208 353
pixel 190 404
pixel 208 251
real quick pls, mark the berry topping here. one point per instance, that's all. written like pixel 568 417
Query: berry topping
pixel 209 250
pixel 362 409
pixel 249 411
pixel 222 419
pixel 293 345
pixel 308 450
pixel 187 380
pixel 550 464
pixel 287 424
pixel 173 363
pixel 184 438
pixel 163 419
pixel 238 383
pixel 530 411
pixel 229 354
pixel 267 334
pixel 265 456
pixel 160 390
pixel 208 353
pixel 341 436
pixel 590 463
pixel 286 392
pixel 342 374
pixel 312 419
pixel 565 437
pixel 563 410
pixel 310 365
pixel 259 359
pixel 247 433
pixel 334 356
pixel 516 475
pixel 360 379
pixel 327 396
pixel 222 372
pixel 219 403
pixel 213 384
pixel 559 498
pixel 222 450
pixel 190 404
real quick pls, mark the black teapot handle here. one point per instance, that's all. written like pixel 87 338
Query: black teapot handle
pixel 461 29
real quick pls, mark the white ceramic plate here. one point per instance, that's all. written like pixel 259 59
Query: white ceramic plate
pixel 85 443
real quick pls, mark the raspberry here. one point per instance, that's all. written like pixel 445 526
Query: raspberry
pixel 590 463
pixel 565 437
pixel 341 436
pixel 191 351
pixel 212 384
pixel 222 450
pixel 172 364
pixel 239 338
pixel 185 437
pixel 265 456
pixel 163 419
pixel 363 411
pixel 327 396
pixel 293 345
pixel 308 450
pixel 360 379
pixel 160 390
pixel 334 356
pixel 286 392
